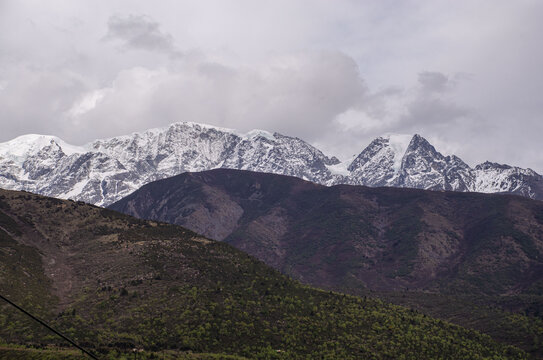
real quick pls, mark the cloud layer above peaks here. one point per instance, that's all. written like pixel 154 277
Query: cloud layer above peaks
pixel 466 75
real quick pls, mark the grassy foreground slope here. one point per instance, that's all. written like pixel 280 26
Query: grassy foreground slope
pixel 111 281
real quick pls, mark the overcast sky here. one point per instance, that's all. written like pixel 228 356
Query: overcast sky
pixel 467 75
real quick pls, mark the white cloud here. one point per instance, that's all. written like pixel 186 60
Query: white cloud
pixel 36 98
pixel 285 95
pixel 87 102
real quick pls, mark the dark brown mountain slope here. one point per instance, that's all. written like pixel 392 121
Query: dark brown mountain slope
pixel 113 282
pixel 473 259
pixel 354 236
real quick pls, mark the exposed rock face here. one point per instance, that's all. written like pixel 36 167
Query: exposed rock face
pixel 105 171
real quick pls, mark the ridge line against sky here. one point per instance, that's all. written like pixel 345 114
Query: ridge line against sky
pixel 466 75
pixel 399 143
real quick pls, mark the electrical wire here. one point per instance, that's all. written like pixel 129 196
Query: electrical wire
pixel 49 327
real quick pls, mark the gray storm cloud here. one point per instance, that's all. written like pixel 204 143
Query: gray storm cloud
pixel 432 81
pixel 139 32
pixel 430 106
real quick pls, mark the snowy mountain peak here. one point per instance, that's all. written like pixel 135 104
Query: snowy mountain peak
pixel 387 161
pixel 106 170
pixel 380 163
pixel 18 149
pixel 421 145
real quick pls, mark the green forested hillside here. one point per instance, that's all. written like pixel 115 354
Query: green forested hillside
pixel 113 282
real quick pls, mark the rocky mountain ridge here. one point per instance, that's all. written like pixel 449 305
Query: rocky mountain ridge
pixel 106 170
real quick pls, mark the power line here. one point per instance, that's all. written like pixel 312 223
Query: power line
pixel 49 327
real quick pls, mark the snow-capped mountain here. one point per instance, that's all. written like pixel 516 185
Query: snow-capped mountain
pixel 404 161
pixel 400 161
pixel 491 177
pixel 380 163
pixel 106 170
